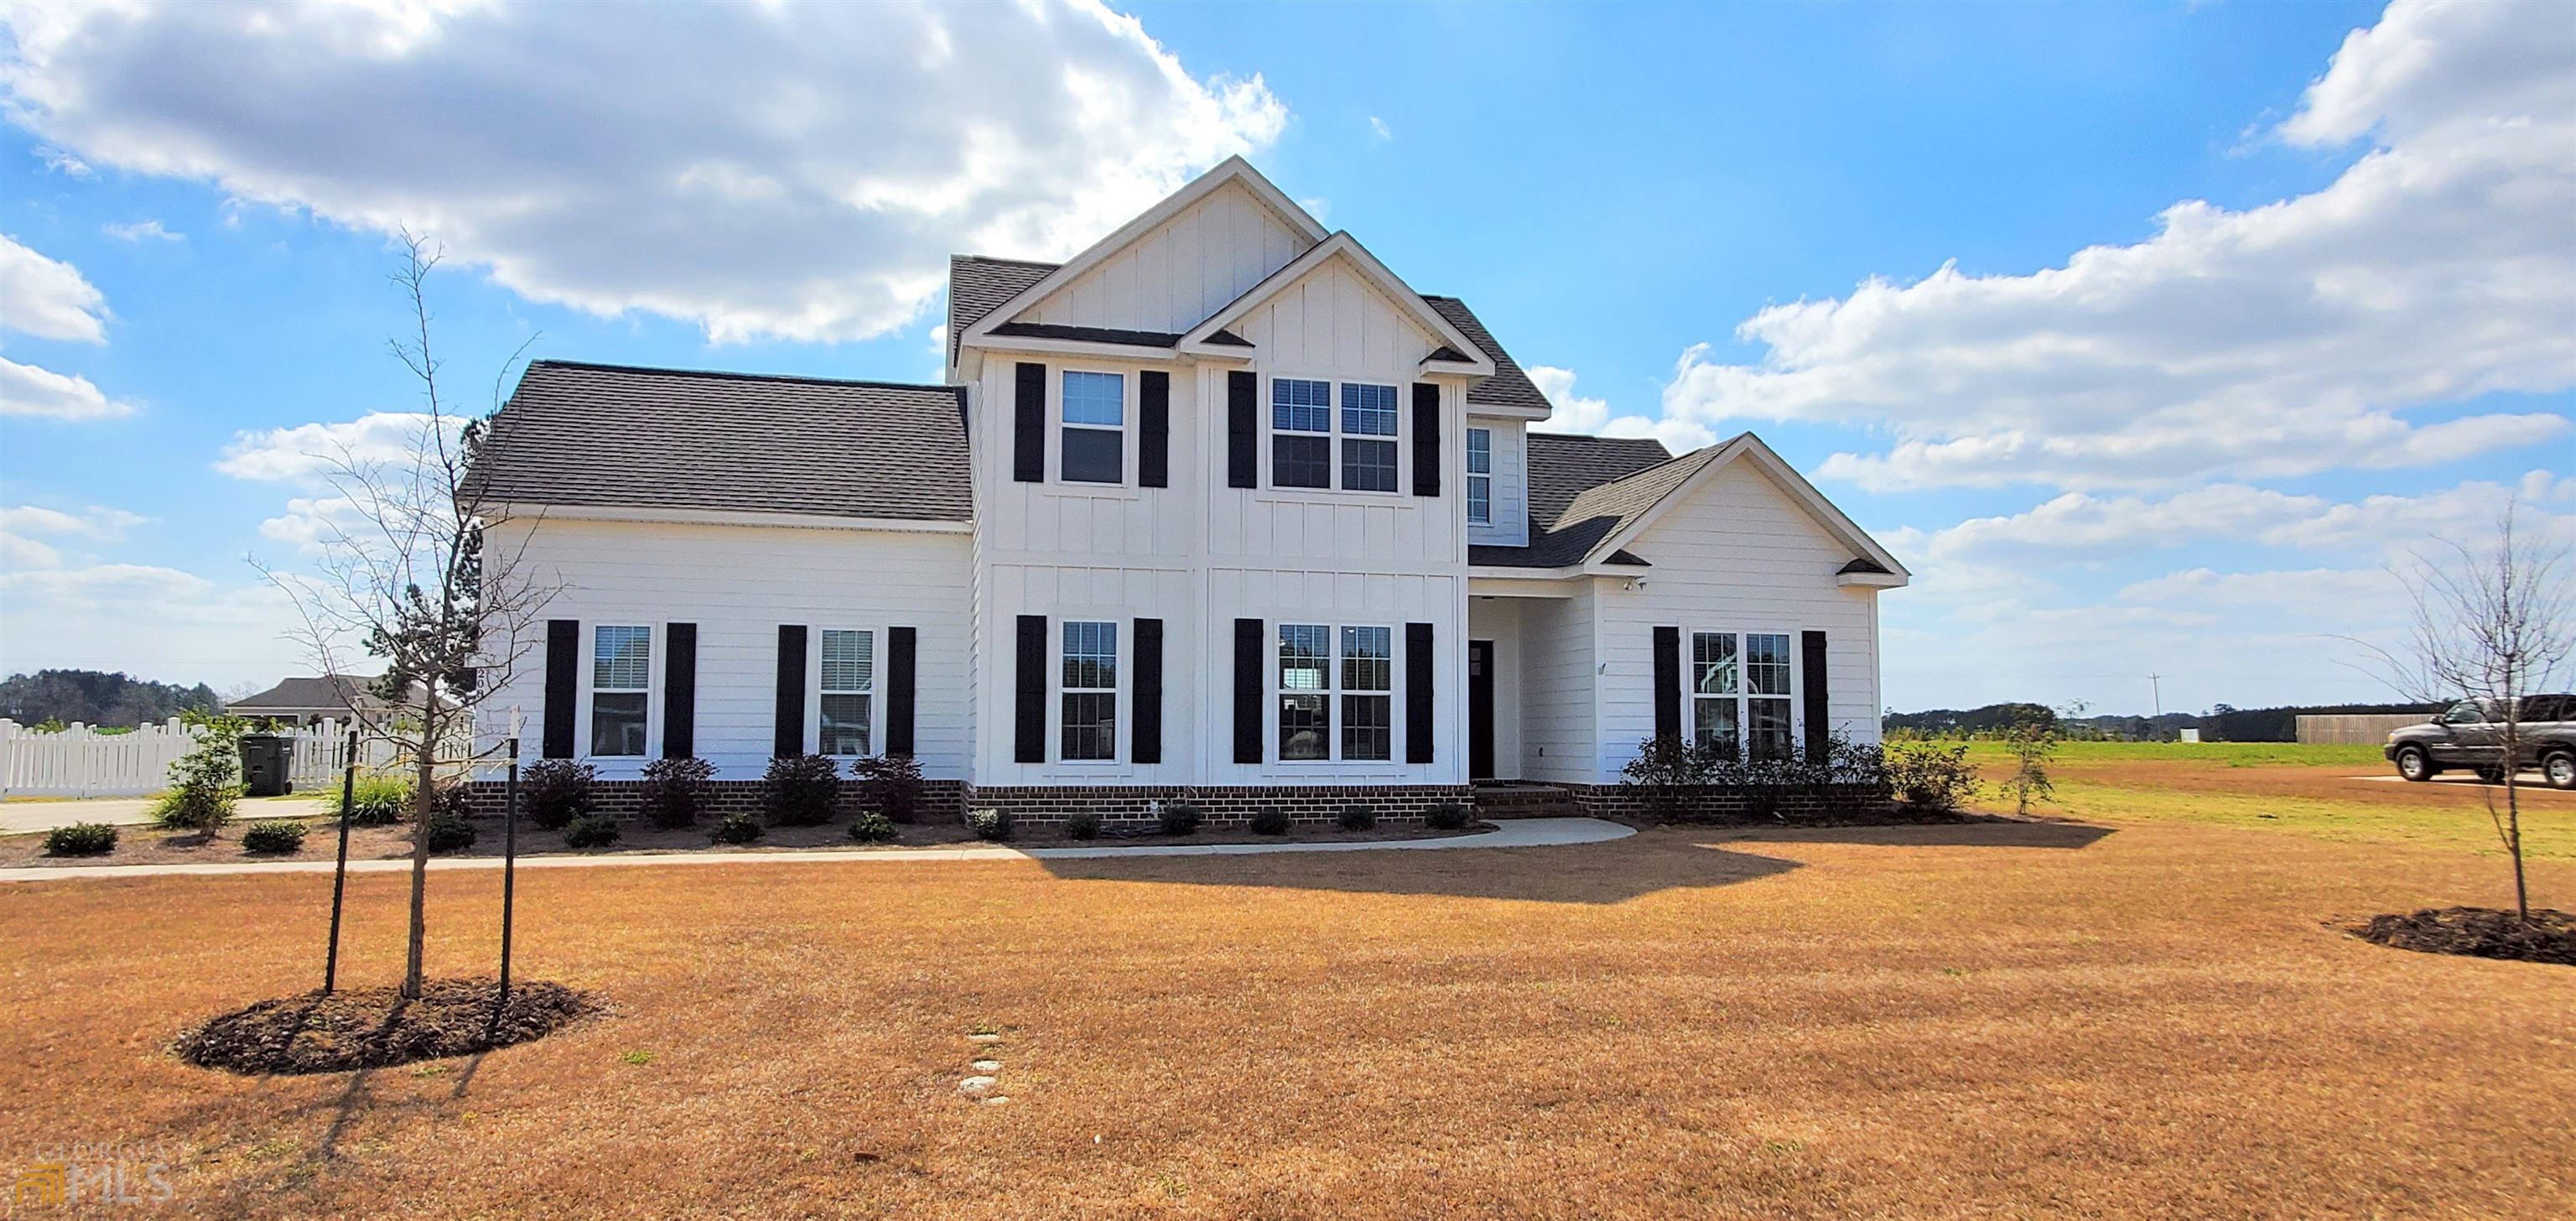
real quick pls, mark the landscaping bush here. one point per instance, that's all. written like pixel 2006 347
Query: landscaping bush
pixel 675 790
pixel 994 825
pixel 590 831
pixel 1447 816
pixel 1271 821
pixel 1083 826
pixel 379 800
pixel 453 801
pixel 81 839
pixel 1931 777
pixel 1181 818
pixel 800 791
pixel 891 784
pixel 1356 818
pixel 734 829
pixel 448 832
pixel 273 835
pixel 205 782
pixel 872 828
pixel 557 791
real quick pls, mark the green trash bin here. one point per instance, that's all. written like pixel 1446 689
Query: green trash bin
pixel 265 761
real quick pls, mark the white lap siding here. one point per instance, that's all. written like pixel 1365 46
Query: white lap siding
pixel 1559 716
pixel 738 584
pixel 1739 555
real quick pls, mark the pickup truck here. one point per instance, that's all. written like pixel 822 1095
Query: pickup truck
pixel 2471 735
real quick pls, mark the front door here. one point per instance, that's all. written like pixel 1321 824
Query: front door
pixel 1480 710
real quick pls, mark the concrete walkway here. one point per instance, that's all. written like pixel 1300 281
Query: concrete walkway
pixel 1513 833
pixel 23 817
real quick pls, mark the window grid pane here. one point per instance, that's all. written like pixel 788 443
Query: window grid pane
pixel 617 723
pixel 1766 664
pixel 845 725
pixel 1298 405
pixel 621 659
pixel 1713 663
pixel 1090 656
pixel 1305 656
pixel 849 661
pixel 1090 725
pixel 1368 411
pixel 1301 461
pixel 1368 466
pixel 1303 730
pixel 1368 659
pixel 1480 499
pixel 1480 451
pixel 1095 398
pixel 1713 720
pixel 1368 727
pixel 1767 728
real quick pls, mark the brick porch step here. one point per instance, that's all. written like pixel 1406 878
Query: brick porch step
pixel 1513 800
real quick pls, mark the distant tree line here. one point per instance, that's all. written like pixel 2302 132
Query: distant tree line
pixel 95 697
pixel 2222 723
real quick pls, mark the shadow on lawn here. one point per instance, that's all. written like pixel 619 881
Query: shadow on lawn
pixel 2002 833
pixel 1612 872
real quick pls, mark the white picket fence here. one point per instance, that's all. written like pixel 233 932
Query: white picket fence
pixel 80 761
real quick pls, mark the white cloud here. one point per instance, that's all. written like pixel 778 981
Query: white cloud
pixel 64 163
pixel 142 230
pixel 96 521
pixel 1379 127
pixel 156 622
pixel 306 453
pixel 47 298
pixel 1574 413
pixel 2274 341
pixel 31 391
pixel 803 178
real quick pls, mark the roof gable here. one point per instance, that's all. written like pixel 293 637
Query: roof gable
pixel 1446 342
pixel 1639 500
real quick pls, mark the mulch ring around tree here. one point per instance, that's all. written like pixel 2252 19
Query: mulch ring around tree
pixel 2484 932
pixel 375 1027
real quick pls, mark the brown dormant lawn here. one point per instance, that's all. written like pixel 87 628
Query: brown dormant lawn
pixel 2154 1019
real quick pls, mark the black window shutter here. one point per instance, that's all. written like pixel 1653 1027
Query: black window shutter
pixel 680 693
pixel 1028 730
pixel 1146 739
pixel 1028 424
pixel 790 736
pixel 1247 690
pixel 1242 431
pixel 1426 439
pixel 563 684
pixel 1811 659
pixel 1418 669
pixel 1668 683
pixel 1154 444
pixel 899 690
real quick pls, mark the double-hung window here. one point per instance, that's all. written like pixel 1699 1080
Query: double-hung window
pixel 1740 692
pixel 849 680
pixel 1301 433
pixel 1314 676
pixel 1094 444
pixel 621 675
pixel 1480 476
pixel 1368 437
pixel 1090 729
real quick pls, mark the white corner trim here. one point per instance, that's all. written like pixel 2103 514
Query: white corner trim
pixel 721 517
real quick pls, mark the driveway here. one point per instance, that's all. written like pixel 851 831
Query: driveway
pixel 22 816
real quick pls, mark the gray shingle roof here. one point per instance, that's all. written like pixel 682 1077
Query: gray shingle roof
pixel 1508 387
pixel 978 285
pixel 1583 490
pixel 613 435
pixel 1562 466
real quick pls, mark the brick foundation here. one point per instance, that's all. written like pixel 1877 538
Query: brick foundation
pixel 1223 805
pixel 1716 804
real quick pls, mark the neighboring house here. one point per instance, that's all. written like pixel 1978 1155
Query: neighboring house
pixel 307 701
pixel 1221 507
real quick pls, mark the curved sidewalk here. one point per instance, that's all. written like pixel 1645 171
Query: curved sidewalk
pixel 1511 833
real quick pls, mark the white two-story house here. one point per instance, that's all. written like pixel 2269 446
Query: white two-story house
pixel 1220 509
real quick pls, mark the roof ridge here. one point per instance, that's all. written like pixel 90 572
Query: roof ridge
pixel 995 258
pixel 807 379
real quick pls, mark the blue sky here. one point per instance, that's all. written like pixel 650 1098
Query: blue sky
pixel 2188 453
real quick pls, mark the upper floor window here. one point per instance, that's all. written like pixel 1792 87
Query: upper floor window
pixel 1480 476
pixel 1368 437
pixel 1090 728
pixel 1301 433
pixel 1310 681
pixel 1094 441
pixel 848 680
pixel 621 674
pixel 1740 691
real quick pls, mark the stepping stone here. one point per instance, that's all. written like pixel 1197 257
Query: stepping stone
pixel 983 1038
pixel 986 1066
pixel 975 1087
pixel 996 1100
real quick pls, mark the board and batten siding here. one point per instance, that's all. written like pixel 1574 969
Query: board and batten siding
pixel 1738 554
pixel 1174 276
pixel 738 584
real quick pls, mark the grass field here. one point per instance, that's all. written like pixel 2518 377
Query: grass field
pixel 2150 1016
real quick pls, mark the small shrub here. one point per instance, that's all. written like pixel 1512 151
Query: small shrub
pixel 800 790
pixel 1085 825
pixel 1271 821
pixel 557 791
pixel 872 828
pixel 590 831
pixel 1931 777
pixel 675 790
pixel 455 801
pixel 1447 816
pixel 994 825
pixel 2033 743
pixel 892 784
pixel 448 832
pixel 379 800
pixel 81 839
pixel 205 782
pixel 1356 818
pixel 273 835
pixel 1181 818
pixel 734 829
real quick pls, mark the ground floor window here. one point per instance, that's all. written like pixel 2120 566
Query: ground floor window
pixel 1090 729
pixel 849 680
pixel 1320 669
pixel 1740 692
pixel 621 676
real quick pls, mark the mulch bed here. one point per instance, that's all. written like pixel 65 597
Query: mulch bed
pixel 2484 932
pixel 375 1027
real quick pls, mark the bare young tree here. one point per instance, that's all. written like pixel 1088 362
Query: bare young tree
pixel 2492 624
pixel 403 575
